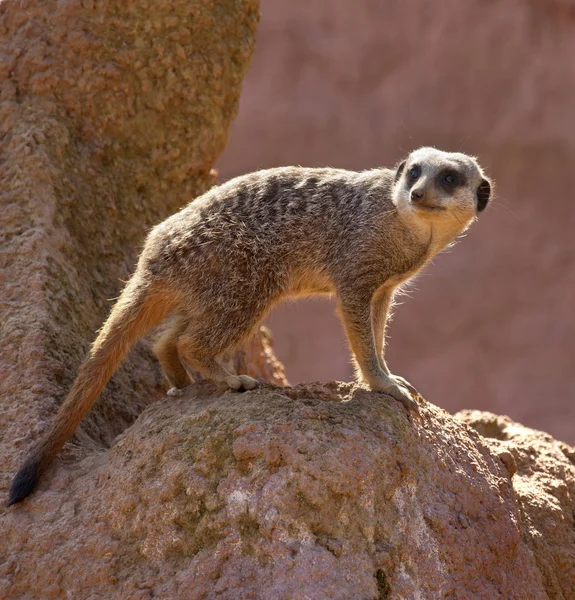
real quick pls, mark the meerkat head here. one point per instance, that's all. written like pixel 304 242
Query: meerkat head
pixel 441 187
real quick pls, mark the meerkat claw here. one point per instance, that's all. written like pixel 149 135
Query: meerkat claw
pixel 409 403
pixel 405 398
pixel 174 391
pixel 397 392
pixel 248 383
pixel 241 383
pixel 403 382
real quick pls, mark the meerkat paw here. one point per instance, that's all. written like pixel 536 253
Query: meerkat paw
pixel 395 390
pixel 174 391
pixel 248 383
pixel 404 383
pixel 241 382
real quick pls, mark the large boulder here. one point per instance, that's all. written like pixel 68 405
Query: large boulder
pixel 315 492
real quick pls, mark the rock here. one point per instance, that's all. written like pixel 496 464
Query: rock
pixel 314 492
pixel 111 117
pixel 543 472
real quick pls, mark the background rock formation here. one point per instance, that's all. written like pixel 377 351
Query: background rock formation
pixel 112 115
pixel 358 84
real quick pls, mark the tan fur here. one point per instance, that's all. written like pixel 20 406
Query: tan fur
pixel 221 263
pixel 133 315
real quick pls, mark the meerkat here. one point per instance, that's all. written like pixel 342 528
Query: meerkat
pixel 220 264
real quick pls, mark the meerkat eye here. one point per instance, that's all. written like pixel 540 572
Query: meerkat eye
pixel 450 179
pixel 414 173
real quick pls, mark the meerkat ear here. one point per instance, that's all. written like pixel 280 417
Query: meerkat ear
pixel 483 194
pixel 399 170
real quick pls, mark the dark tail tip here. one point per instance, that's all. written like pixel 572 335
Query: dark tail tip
pixel 25 481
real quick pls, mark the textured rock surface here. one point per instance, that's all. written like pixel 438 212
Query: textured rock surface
pixel 316 492
pixel 544 485
pixel 111 117
pixel 358 84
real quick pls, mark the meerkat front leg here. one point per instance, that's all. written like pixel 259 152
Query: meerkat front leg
pixel 356 313
pixel 380 309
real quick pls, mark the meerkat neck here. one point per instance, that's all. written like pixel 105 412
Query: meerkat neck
pixel 437 235
pixel 420 231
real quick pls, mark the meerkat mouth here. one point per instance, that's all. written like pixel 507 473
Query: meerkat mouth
pixel 427 207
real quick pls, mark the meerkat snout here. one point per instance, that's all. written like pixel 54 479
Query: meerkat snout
pixel 417 195
pixel 424 199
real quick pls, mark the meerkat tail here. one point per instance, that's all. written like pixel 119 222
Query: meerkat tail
pixel 138 310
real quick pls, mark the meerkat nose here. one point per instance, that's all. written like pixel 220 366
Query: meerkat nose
pixel 417 195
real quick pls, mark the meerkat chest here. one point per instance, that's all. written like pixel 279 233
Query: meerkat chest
pixel 400 278
pixel 419 247
pixel 413 264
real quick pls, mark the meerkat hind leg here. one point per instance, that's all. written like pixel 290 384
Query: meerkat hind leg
pixel 166 350
pixel 195 350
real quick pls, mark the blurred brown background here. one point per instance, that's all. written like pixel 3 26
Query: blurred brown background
pixel 359 84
